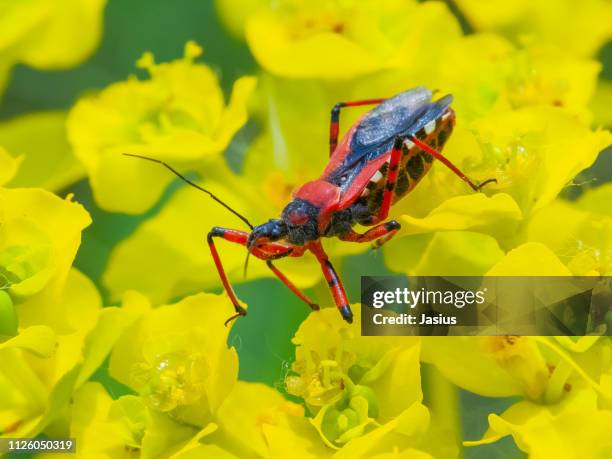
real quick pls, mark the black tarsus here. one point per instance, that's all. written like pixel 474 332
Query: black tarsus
pixel 195 185
pixel 486 182
pixel 241 313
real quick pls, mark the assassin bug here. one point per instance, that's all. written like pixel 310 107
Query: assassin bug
pixel 378 161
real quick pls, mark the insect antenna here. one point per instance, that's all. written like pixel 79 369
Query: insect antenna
pixel 246 260
pixel 193 184
pixel 246 263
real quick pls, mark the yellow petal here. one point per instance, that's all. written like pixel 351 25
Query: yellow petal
pixel 462 360
pixel 584 29
pixel 235 13
pixel 246 413
pixel 47 160
pixel 98 436
pixel 68 33
pixel 324 40
pixel 300 440
pixel 530 259
pixel 580 238
pixel 399 433
pixel 8 166
pixel 390 379
pixel 451 253
pixel 37 339
pixel 497 215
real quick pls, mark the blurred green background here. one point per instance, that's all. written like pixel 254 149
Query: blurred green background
pixel 263 341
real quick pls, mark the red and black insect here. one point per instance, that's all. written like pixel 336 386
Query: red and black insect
pixel 379 160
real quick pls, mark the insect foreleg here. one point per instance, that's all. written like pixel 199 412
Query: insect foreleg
pixel 233 236
pixel 267 251
pixel 335 119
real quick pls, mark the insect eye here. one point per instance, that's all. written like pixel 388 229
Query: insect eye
pixel 298 218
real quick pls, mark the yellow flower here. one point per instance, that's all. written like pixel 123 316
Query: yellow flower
pixel 46 158
pixel 359 389
pixel 579 233
pixel 575 429
pixel 247 424
pixel 41 368
pixel 343 39
pixel 579 30
pixel 573 412
pixel 48 34
pixel 176 357
pixel 39 237
pixel 53 335
pixel 534 367
pixel 122 428
pixel 251 416
pixel 177 115
pixel 487 73
pixel 104 428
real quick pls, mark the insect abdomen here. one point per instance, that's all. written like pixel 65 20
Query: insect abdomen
pixel 414 164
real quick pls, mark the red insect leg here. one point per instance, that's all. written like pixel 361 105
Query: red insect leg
pixel 267 251
pixel 379 234
pixel 392 172
pixel 335 119
pixel 292 287
pixel 334 282
pixel 436 154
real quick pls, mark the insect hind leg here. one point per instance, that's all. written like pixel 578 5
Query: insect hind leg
pixel 390 181
pixel 378 235
pixel 334 125
pixel 444 160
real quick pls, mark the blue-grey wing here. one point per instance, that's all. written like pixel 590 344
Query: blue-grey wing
pixel 401 115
